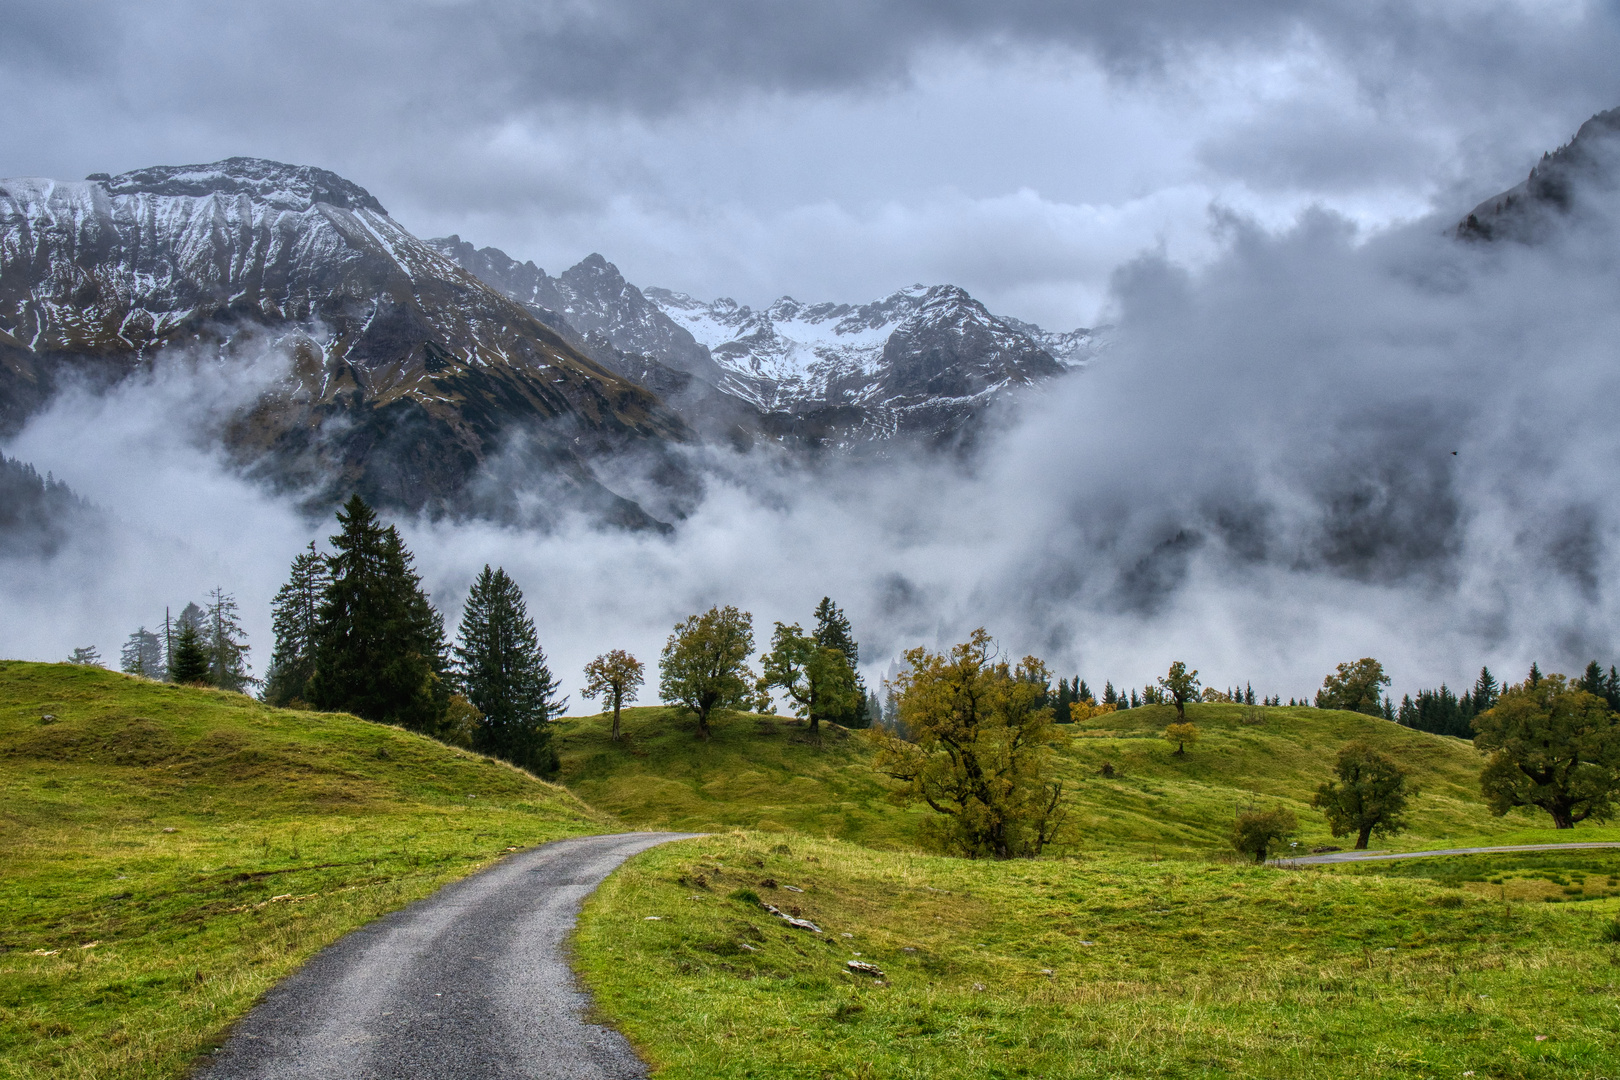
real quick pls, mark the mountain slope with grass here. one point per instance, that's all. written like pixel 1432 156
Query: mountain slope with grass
pixel 1112 965
pixel 1125 787
pixel 170 853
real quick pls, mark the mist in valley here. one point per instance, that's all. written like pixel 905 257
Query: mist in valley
pixel 1323 444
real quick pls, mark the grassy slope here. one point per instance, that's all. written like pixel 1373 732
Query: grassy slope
pixel 1114 965
pixel 763 773
pixel 756 773
pixel 170 853
pixel 1196 967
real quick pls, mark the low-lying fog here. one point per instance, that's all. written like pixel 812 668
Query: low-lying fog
pixel 1320 447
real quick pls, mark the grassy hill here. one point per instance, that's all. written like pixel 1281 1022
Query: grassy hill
pixel 169 853
pixel 764 773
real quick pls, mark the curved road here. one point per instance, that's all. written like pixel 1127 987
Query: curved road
pixel 468 983
pixel 1377 856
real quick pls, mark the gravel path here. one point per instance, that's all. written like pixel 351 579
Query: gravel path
pixel 1375 856
pixel 470 982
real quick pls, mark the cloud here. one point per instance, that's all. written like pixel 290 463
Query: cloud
pixel 1258 478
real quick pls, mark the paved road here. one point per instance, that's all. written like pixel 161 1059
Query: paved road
pixel 469 983
pixel 1376 856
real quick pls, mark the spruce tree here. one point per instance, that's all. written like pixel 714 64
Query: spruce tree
pixel 225 643
pixel 501 669
pixel 834 632
pixel 1485 690
pixel 295 619
pixel 190 664
pixel 143 655
pixel 381 652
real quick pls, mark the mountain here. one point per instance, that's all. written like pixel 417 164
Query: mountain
pixel 923 362
pixel 1552 190
pixel 408 380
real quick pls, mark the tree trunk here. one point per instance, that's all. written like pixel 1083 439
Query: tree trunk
pixel 615 719
pixel 1562 818
pixel 1362 837
pixel 703 726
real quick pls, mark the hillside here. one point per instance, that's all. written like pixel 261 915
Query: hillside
pixel 763 773
pixel 170 853
pixel 1108 965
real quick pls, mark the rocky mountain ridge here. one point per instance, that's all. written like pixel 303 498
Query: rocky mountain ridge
pixel 923 361
pixel 408 377
pixel 1553 189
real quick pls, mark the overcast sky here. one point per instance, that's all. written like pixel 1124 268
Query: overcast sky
pixel 834 150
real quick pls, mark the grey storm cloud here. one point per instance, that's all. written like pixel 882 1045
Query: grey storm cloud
pixel 651 55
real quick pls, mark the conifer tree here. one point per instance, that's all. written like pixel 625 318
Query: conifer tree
pixel 1082 692
pixel 295 619
pixel 381 651
pixel 86 656
pixel 1110 695
pixel 225 643
pixel 143 655
pixel 502 670
pixel 1485 690
pixel 834 632
pixel 189 667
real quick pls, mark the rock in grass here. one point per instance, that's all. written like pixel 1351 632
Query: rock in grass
pixel 861 967
pixel 799 924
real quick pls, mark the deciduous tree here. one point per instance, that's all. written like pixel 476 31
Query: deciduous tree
pixel 976 749
pixel 1180 686
pixel 1181 734
pixel 615 677
pixel 834 632
pixel 816 678
pixel 704 665
pixel 1357 686
pixel 1551 746
pixel 1257 832
pixel 1368 798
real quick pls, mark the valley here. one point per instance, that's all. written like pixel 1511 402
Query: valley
pixel 172 852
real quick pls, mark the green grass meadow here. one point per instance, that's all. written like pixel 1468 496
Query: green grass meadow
pixel 1107 965
pixel 168 854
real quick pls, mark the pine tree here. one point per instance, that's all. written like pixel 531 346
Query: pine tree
pixel 143 655
pixel 381 651
pixel 225 643
pixel 1534 679
pixel 1110 695
pixel 1134 702
pixel 502 670
pixel 1485 690
pixel 834 632
pixel 1082 692
pixel 86 656
pixel 190 664
pixel 295 619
